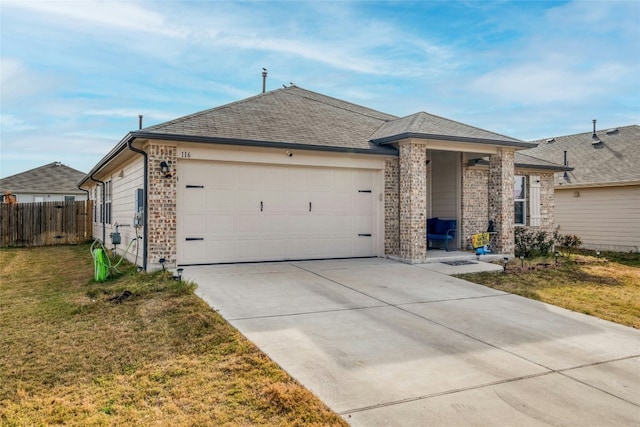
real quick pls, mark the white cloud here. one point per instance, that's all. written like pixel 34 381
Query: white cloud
pixel 19 82
pixel 545 83
pixel 113 14
pixel 11 123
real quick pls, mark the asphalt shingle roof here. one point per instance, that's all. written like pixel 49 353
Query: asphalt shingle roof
pixel 613 160
pixel 522 159
pixel 290 115
pixel 54 178
pixel 298 116
pixel 428 125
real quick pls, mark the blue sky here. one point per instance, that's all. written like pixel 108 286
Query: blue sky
pixel 76 74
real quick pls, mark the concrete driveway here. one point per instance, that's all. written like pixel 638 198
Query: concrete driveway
pixel 390 344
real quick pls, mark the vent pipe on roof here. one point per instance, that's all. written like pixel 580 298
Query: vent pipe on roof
pixel 264 80
pixel 139 121
pixel 565 176
pixel 594 127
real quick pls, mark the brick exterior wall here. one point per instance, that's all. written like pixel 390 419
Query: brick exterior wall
pixel 413 202
pixel 547 201
pixel 161 207
pixel 392 207
pixel 501 207
pixel 475 204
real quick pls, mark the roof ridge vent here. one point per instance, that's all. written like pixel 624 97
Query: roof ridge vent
pixel 551 140
pixel 612 131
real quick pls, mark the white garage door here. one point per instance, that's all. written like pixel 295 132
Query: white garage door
pixel 231 212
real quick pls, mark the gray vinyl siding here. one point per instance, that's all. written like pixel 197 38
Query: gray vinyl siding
pixel 606 218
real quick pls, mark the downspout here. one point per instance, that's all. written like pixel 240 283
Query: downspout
pixel 145 227
pixel 86 191
pixel 104 204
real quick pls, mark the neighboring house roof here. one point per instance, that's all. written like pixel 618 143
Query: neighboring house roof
pixel 611 157
pixel 54 178
pixel 424 125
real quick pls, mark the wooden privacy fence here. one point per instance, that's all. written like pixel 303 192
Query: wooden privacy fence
pixel 47 223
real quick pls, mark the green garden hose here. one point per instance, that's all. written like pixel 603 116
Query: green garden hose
pixel 101 263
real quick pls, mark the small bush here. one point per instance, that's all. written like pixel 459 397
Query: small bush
pixel 570 242
pixel 532 242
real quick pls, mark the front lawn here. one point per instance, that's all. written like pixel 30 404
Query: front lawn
pixel 606 289
pixel 140 349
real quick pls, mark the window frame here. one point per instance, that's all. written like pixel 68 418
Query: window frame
pixel 522 201
pixel 108 188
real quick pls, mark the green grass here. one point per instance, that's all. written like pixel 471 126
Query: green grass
pixel 598 287
pixel 70 354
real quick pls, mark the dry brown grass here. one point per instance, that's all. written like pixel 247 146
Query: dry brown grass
pixel 607 290
pixel 68 355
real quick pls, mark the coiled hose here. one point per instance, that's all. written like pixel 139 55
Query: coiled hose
pixel 102 262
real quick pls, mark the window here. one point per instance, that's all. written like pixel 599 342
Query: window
pixel 69 198
pixel 96 204
pixel 520 200
pixel 107 202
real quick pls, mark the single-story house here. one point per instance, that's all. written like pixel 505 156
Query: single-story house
pixel 599 199
pixel 293 174
pixel 54 182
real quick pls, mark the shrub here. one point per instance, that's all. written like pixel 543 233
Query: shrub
pixel 570 242
pixel 532 242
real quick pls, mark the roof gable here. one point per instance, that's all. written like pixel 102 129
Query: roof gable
pixel 424 125
pixel 54 178
pixel 612 157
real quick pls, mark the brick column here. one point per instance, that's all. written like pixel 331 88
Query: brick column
pixel 392 207
pixel 161 207
pixel 413 202
pixel 475 203
pixel 501 208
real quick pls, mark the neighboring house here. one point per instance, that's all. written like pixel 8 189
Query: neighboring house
pixel 293 174
pixel 599 200
pixel 54 182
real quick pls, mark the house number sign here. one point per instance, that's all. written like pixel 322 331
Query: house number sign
pixel 185 154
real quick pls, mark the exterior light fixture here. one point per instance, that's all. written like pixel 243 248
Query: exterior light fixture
pixel 597 253
pixel 179 274
pixel 505 261
pixel 162 261
pixel 522 261
pixel 164 168
pixel 556 254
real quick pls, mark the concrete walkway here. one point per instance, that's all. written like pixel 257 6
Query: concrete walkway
pixel 389 344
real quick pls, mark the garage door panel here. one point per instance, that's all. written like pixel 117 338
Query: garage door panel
pixel 363 244
pixel 220 225
pixel 195 224
pixel 249 201
pixel 247 212
pixel 247 225
pixel 298 225
pixel 363 202
pixel 221 175
pixel 248 177
pixel 363 224
pixel 195 251
pixel 194 198
pixel 219 200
